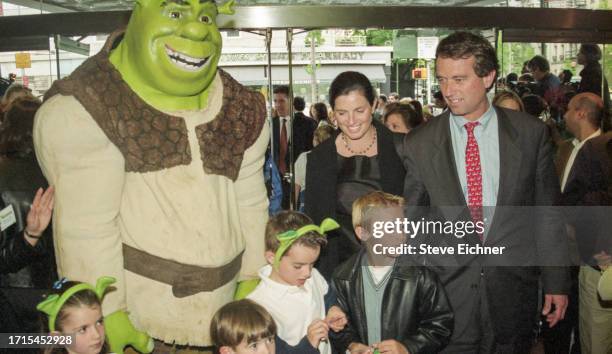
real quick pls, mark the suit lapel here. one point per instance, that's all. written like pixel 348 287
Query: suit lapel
pixel 444 165
pixel 510 156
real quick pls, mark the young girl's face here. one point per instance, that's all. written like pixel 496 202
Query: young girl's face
pixel 86 324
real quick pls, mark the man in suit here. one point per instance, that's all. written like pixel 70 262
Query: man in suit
pixel 588 189
pixel 582 119
pixel 491 166
pixel 288 133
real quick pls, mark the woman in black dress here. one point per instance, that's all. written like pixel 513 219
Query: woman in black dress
pixel 360 158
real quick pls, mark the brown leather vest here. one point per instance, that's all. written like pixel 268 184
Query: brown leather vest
pixel 151 140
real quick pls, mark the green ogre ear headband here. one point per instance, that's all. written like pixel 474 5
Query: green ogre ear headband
pixel 227 8
pixel 53 303
pixel 287 238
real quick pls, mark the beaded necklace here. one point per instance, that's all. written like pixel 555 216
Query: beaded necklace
pixel 363 152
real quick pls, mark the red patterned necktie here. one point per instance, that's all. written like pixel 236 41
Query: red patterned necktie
pixel 474 175
pixel 282 165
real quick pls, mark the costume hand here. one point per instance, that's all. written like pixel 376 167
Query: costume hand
pixel 560 302
pixel 391 346
pixel 121 333
pixel 359 348
pixel 603 259
pixel 40 213
pixel 336 319
pixel 316 332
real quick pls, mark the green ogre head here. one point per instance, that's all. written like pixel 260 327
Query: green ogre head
pixel 170 51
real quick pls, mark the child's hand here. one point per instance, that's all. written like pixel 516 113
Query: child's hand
pixel 316 332
pixel 391 346
pixel 359 348
pixel 336 319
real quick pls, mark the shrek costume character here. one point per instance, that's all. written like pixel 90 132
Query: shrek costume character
pixel 156 157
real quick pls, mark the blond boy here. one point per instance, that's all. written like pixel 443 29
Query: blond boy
pixel 392 305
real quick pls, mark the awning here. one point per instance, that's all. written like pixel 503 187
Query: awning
pixel 256 75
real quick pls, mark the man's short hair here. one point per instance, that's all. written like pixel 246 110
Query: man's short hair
pixel 540 63
pixel 291 220
pixel 364 205
pixel 239 321
pixel 281 89
pixel 463 45
pixel 299 104
pixel 383 98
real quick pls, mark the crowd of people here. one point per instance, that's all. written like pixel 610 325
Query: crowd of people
pixel 370 160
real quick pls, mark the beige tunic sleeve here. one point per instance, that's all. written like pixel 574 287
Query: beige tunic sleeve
pixel 253 205
pixel 87 171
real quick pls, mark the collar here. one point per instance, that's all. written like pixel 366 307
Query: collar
pixel 484 120
pixel 577 142
pixel 279 290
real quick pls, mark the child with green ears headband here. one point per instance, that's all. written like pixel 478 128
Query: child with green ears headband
pixel 290 288
pixel 284 240
pixel 75 310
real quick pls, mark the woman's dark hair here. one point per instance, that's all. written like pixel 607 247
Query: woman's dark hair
pixel 418 109
pixel 321 110
pixel 462 45
pixel 534 104
pixel 591 52
pixel 406 111
pixel 17 126
pixel 348 82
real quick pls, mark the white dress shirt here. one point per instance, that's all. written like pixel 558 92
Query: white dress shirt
pixel 570 162
pixel 292 307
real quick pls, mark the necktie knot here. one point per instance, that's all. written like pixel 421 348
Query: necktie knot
pixel 470 126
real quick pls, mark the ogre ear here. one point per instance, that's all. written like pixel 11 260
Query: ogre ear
pixel 227 8
pixel 102 284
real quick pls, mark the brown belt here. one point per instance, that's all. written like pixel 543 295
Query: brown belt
pixel 185 279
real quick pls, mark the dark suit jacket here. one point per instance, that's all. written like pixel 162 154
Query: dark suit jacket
pixel 301 135
pixel 588 189
pixel 532 237
pixel 562 156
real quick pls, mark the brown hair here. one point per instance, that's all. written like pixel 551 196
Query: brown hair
pixel 508 95
pixel 239 321
pixel 14 92
pixel 17 126
pixel 291 220
pixel 463 45
pixel 364 205
pixel 406 111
